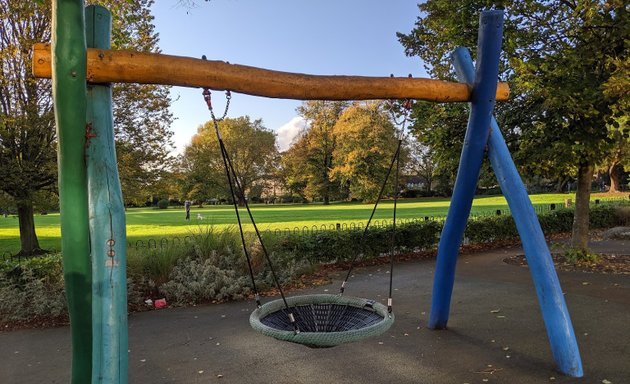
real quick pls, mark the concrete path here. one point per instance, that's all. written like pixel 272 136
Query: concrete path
pixel 495 335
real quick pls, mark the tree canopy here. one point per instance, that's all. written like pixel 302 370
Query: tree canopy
pixel 307 164
pixel 250 145
pixel 142 119
pixel 27 131
pixel 366 143
pixel 563 79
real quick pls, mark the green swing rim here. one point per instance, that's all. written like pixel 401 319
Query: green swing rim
pixel 321 339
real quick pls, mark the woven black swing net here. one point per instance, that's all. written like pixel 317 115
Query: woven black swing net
pixel 323 320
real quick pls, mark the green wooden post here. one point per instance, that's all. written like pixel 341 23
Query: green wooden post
pixel 69 93
pixel 107 222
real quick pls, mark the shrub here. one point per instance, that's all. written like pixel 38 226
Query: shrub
pixel 603 216
pixel 139 288
pixel 577 256
pixel 286 266
pixel 491 228
pixel 623 215
pixel 335 246
pixel 197 280
pixel 162 204
pixel 557 221
pixel 149 268
pixel 32 290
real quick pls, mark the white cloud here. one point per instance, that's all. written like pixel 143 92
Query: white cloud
pixel 289 131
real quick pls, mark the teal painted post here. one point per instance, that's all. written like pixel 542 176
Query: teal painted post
pixel 69 94
pixel 107 222
pixel 552 304
pixel 482 103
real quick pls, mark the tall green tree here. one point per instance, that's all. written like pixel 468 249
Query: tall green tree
pixel 142 118
pixel 366 142
pixel 421 163
pixel 558 67
pixel 251 147
pixel 27 133
pixel 566 82
pixel 312 152
pixel 617 88
pixel 293 166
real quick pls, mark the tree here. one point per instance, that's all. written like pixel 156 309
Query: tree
pixel 27 134
pixel 293 166
pixel 616 88
pixel 366 142
pixel 312 152
pixel 558 67
pixel 421 163
pixel 142 118
pixel 440 128
pixel 250 145
pixel 566 81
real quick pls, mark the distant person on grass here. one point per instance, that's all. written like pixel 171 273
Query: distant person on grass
pixel 187 205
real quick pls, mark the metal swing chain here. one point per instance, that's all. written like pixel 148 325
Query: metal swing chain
pixel 405 114
pixel 208 98
pixel 231 174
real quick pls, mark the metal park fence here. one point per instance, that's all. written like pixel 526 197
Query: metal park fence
pixel 173 241
pixel 10 257
pixel 360 225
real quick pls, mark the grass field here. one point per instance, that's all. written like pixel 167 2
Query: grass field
pixel 145 223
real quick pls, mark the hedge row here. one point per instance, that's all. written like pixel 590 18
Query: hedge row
pixel 336 246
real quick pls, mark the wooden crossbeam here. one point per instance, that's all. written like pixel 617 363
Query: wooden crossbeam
pixel 107 66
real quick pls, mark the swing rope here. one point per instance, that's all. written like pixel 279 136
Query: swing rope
pixel 312 320
pixel 395 160
pixel 233 180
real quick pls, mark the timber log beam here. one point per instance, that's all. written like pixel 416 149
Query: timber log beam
pixel 108 66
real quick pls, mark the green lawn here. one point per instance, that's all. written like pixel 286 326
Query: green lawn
pixel 145 223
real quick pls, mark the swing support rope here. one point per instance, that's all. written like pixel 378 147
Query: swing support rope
pixel 233 181
pixel 237 192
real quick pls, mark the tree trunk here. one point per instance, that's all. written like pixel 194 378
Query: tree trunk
pixel 429 183
pixel 615 182
pixel 561 184
pixel 28 238
pixel 579 239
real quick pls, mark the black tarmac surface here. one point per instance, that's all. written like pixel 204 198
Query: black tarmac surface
pixel 496 335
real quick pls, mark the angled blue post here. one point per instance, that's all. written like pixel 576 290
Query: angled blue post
pixel 107 222
pixel 482 104
pixel 552 304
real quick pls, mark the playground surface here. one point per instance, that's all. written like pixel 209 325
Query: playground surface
pixel 496 334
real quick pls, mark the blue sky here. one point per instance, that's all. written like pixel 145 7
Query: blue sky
pixel 327 37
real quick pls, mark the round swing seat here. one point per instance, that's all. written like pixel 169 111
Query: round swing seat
pixel 322 320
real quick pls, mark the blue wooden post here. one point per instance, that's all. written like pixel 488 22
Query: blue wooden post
pixel 107 222
pixel 482 103
pixel 554 309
